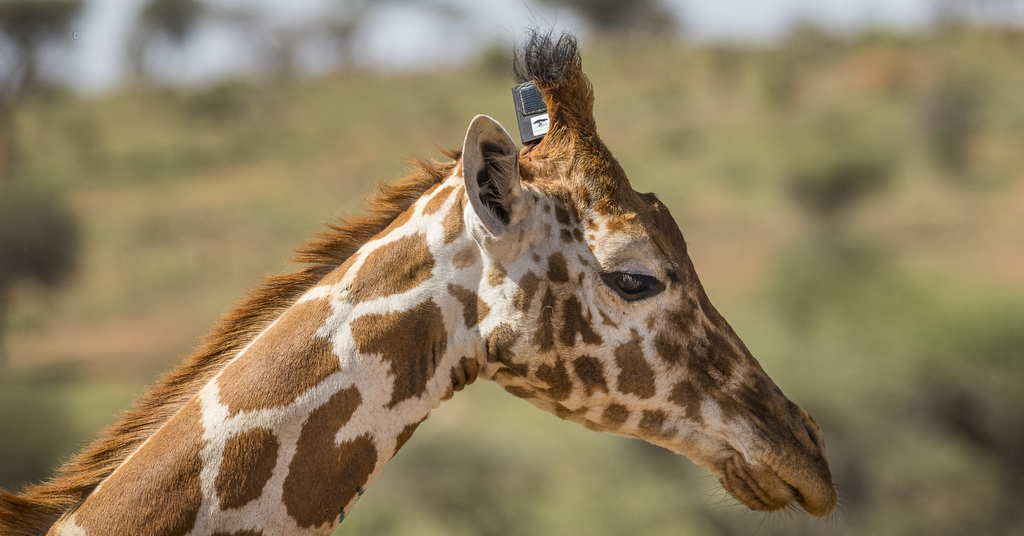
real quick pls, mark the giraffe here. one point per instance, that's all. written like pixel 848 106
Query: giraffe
pixel 538 268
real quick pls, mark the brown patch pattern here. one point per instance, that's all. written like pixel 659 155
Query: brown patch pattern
pixel 324 476
pixel 434 203
pixel 405 435
pixel 466 257
pixel 544 337
pixel 285 362
pixel 614 416
pixel 557 378
pixel 558 271
pixel 248 463
pixel 636 375
pixel 495 274
pixel 527 288
pixel 393 268
pixel 574 322
pixel 591 373
pixel 157 493
pixel 453 223
pixel 685 395
pixel 411 342
pixel 652 423
pixel 474 309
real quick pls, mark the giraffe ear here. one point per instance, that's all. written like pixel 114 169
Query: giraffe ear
pixel 490 168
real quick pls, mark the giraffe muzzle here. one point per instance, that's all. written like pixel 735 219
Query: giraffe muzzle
pixel 783 472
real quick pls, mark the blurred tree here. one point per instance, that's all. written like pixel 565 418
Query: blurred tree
pixel 616 16
pixel 39 242
pixel 26 27
pixel 163 22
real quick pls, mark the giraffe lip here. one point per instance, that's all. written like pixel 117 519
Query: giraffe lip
pixel 761 488
pixel 757 487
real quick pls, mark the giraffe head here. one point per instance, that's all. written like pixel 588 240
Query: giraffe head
pixel 598 316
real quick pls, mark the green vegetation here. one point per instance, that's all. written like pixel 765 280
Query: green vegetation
pixel 853 208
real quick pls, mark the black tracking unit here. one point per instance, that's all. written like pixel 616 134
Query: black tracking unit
pixel 531 112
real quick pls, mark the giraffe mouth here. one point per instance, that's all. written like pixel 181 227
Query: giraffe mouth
pixel 761 488
pixel 758 487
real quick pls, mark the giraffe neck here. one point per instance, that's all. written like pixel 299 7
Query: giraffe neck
pixel 288 435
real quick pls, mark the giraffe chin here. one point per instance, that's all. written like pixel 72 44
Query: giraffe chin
pixel 760 488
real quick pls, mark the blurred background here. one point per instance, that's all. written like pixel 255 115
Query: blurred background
pixel 849 177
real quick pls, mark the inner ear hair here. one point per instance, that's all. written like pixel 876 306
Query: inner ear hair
pixel 499 165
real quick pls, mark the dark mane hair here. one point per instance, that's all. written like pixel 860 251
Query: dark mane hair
pixel 556 66
pixel 39 507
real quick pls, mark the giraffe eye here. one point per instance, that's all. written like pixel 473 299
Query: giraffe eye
pixel 632 287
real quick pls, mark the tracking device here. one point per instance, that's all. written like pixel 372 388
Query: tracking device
pixel 531 112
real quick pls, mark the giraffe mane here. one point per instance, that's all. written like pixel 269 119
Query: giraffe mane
pixel 35 510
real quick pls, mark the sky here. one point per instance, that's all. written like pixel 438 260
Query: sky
pixel 404 37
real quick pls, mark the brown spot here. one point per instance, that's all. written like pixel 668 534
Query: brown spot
pixel 591 373
pixel 547 208
pixel 336 275
pixel 535 256
pixel 499 344
pixel 324 476
pixel 453 223
pixel 157 492
pixel 617 225
pixel 286 361
pixel 651 423
pixel 686 396
pixel 615 416
pixel 566 235
pixel 605 320
pixel 464 373
pixel 636 376
pixel 557 378
pixel 544 337
pixel 562 215
pixel 583 261
pixel 527 288
pixel 495 274
pixel 404 436
pixel 466 256
pixel 245 532
pixel 562 412
pixel 396 223
pixel 669 350
pixel 558 272
pixel 574 322
pixel 577 234
pixel 411 342
pixel 435 202
pixel 474 310
pixel 248 463
pixel 519 392
pixel 393 268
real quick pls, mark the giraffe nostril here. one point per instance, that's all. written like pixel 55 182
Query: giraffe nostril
pixel 813 434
